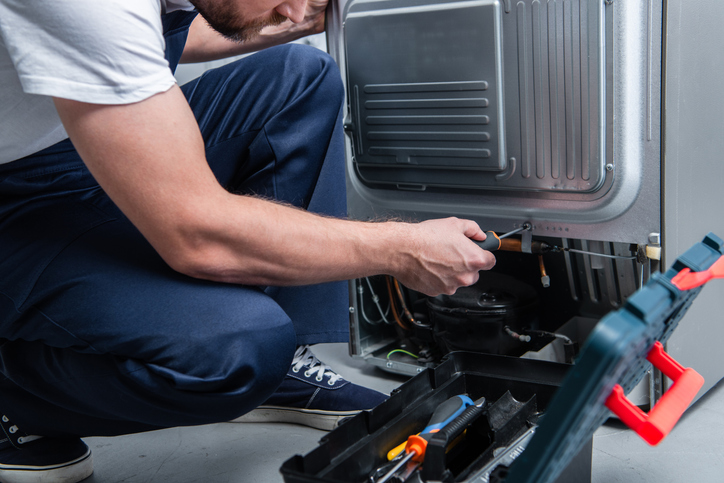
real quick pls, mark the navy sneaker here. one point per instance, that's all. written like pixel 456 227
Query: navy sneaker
pixel 26 459
pixel 313 395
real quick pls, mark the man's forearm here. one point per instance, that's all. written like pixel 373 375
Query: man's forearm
pixel 242 239
pixel 149 157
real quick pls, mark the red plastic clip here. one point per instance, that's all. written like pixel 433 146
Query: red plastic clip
pixel 686 279
pixel 656 425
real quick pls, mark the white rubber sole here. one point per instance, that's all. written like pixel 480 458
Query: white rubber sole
pixel 68 472
pixel 324 420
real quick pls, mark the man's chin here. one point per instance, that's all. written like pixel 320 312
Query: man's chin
pixel 249 30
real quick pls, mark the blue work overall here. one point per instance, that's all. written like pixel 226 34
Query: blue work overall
pixel 98 336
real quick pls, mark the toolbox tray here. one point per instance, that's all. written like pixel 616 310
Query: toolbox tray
pixel 350 453
pixel 615 353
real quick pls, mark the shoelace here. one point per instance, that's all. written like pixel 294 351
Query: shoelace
pixel 13 434
pixel 304 357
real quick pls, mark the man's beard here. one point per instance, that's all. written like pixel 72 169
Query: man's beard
pixel 228 23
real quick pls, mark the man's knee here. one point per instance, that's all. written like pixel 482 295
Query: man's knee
pixel 217 371
pixel 244 370
pixel 312 68
pixel 319 64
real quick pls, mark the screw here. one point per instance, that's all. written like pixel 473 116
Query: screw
pixel 609 167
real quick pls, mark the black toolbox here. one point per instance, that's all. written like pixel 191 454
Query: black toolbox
pixel 539 416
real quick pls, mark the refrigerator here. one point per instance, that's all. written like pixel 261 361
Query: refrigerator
pixel 588 131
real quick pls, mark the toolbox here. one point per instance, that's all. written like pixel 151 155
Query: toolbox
pixel 538 417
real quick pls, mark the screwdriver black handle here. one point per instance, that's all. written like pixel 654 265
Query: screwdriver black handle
pixel 447 412
pixel 444 413
pixel 435 460
pixel 456 427
pixel 491 243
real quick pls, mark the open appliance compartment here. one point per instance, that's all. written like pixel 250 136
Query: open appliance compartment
pixel 531 421
pixel 543 115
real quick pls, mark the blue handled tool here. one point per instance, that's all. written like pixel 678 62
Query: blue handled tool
pixel 444 413
pixel 416 444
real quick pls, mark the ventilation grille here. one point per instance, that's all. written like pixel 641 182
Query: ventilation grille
pixel 428 124
pixel 553 98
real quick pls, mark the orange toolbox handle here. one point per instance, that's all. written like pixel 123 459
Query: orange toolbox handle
pixel 656 425
pixel 686 279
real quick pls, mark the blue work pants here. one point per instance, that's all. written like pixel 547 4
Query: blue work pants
pixel 98 336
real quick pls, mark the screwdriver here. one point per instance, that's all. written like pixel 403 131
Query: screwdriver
pixel 416 444
pixel 492 241
pixel 456 404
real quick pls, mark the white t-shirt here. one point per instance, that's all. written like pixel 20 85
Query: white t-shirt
pixel 96 51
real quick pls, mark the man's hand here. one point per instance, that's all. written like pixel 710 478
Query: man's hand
pixel 314 18
pixel 442 256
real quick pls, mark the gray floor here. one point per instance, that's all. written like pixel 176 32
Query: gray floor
pixel 235 453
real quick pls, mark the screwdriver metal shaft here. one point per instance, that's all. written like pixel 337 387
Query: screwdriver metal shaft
pixel 526 226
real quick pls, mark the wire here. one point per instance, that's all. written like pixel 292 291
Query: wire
pixel 515 335
pixel 605 255
pixel 403 352
pixel 376 300
pixel 564 338
pixel 361 298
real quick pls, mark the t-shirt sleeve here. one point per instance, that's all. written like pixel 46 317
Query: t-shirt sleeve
pixel 102 52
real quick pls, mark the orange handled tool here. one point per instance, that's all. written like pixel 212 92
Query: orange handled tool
pixel 417 443
pixel 491 243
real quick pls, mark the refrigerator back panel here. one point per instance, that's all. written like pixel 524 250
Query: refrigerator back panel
pixel 427 97
pixel 503 112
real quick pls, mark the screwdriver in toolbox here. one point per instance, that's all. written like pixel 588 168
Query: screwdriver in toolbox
pixel 417 443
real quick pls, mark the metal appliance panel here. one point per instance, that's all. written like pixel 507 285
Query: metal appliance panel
pixel 568 69
pixel 693 168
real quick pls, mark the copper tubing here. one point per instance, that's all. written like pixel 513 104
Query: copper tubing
pixel 402 301
pixel 511 244
pixel 516 245
pixel 392 304
pixel 542 266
